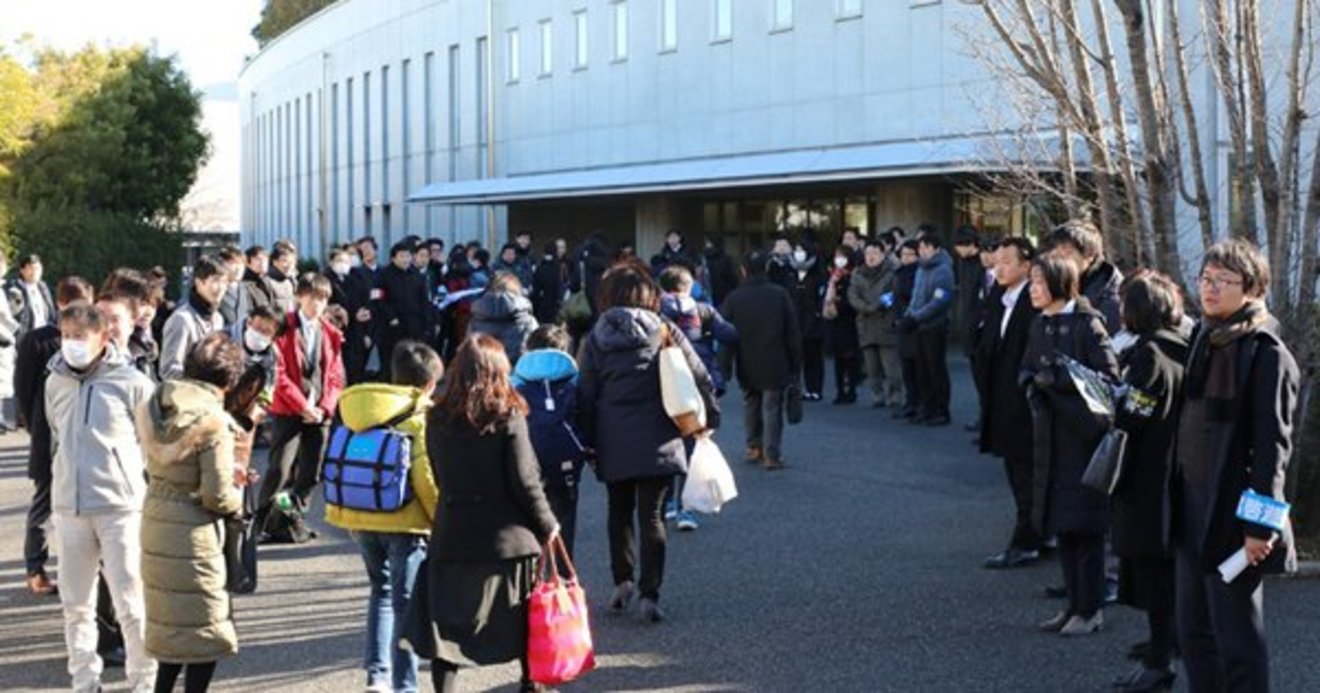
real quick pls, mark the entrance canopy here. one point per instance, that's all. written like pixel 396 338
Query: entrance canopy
pixel 908 158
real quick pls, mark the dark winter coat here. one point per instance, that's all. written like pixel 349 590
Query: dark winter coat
pixel 1065 432
pixel 1248 444
pixel 492 504
pixel 621 412
pixel 1153 367
pixel 905 282
pixel 668 256
pixel 841 331
pixel 808 290
pixel 768 355
pixel 875 322
pixel 548 380
pixel 506 317
pixel 704 327
pixel 550 284
pixel 781 272
pixel 1100 286
pixel 1006 418
pixel 35 350
pixel 969 276
pixel 402 296
pixel 339 287
pixel 721 274
pixel 932 297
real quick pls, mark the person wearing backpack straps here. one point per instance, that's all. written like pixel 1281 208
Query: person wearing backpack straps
pixel 393 543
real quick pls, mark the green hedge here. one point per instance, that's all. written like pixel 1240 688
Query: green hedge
pixel 90 244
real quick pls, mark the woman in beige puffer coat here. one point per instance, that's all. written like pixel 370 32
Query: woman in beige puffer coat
pixel 189 439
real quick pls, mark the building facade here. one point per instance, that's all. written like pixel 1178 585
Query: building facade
pixel 464 119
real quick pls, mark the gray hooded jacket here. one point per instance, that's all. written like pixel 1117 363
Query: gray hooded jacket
pixel 98 463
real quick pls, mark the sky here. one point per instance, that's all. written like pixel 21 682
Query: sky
pixel 210 38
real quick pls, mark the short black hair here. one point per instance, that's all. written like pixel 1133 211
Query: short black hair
pixel 436 241
pixel 1080 234
pixel 28 260
pixel 255 251
pixel 216 360
pixel 754 261
pixel 313 283
pixel 1244 259
pixel 263 313
pixel 927 229
pixel 1025 250
pixel 369 240
pixel 72 290
pixel 909 244
pixel 549 337
pixel 414 364
pixel 932 240
pixel 1151 301
pixel 281 250
pixel 966 235
pixel 522 232
pixel 207 267
pixel 889 239
pixel 875 242
pixel 337 251
pixel 83 314
pixel 1062 276
pixel 229 253
pixel 404 246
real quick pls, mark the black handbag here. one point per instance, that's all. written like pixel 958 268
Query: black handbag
pixel 793 403
pixel 1106 465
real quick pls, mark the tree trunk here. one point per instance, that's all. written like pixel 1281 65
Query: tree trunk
pixel 1202 196
pixel 1141 227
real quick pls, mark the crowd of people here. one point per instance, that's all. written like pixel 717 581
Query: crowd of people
pixel 507 376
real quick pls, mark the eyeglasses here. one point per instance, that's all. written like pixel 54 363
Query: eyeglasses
pixel 1218 283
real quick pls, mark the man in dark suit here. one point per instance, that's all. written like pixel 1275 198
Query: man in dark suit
pixel 29 297
pixel 358 289
pixel 1235 426
pixel 1006 422
pixel 768 357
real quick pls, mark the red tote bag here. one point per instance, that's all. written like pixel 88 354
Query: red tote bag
pixel 559 645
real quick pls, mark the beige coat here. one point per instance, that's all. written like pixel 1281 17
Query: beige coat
pixel 189 443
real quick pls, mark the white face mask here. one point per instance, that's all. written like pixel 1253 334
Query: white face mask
pixel 77 353
pixel 256 342
pixel 340 268
pixel 840 262
pixel 800 255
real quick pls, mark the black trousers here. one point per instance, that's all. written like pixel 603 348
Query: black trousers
pixel 296 449
pixel 845 372
pixel 645 499
pixel 444 676
pixel 563 503
pixel 933 372
pixel 911 386
pixel 109 636
pixel 1020 476
pixel 1082 557
pixel 813 365
pixel 1221 628
pixel 36 546
pixel 1150 581
pixel 196 677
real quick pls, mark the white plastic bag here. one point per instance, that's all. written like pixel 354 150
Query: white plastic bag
pixel 679 392
pixel 710 481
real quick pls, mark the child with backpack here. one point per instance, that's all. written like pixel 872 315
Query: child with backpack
pixel 705 329
pixel 390 517
pixel 547 377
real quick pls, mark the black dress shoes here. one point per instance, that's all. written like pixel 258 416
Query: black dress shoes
pixel 1012 558
pixel 1143 680
pixel 1053 592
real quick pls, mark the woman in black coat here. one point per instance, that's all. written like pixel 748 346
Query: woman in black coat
pixel 841 326
pixel 1152 369
pixel 808 290
pixel 905 282
pixel 638 448
pixel 491 521
pixel 1065 434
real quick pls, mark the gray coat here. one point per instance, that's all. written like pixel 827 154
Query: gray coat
pixel 875 323
pixel 98 463
pixel 506 317
pixel 932 297
pixel 185 328
pixel 9 333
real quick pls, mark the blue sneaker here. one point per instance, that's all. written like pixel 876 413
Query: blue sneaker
pixel 671 510
pixel 687 522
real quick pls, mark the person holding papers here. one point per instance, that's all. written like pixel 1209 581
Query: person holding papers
pixel 1232 449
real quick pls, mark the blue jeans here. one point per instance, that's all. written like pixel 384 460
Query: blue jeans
pixel 392 561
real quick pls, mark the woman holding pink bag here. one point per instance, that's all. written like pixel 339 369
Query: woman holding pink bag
pixel 491 522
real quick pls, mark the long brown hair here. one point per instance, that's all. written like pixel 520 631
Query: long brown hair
pixel 477 389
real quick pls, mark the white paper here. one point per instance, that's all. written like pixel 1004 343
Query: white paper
pixel 1231 568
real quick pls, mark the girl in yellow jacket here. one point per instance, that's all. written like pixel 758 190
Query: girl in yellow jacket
pixel 393 544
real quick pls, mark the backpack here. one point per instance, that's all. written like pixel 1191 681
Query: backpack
pixel 551 406
pixel 369 470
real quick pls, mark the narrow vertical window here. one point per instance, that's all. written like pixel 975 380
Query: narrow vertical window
pixel 580 30
pixel 620 30
pixel 513 56
pixel 668 25
pixel 723 24
pixel 547 48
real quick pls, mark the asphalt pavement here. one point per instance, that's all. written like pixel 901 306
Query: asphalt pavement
pixel 856 569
